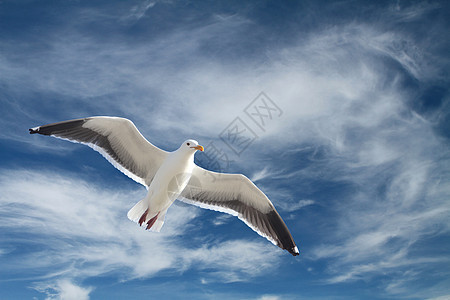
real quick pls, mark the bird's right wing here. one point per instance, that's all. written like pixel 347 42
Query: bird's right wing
pixel 117 139
pixel 237 195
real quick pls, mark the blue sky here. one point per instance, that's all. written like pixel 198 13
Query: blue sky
pixel 356 159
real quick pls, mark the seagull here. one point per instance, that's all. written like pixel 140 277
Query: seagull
pixel 173 175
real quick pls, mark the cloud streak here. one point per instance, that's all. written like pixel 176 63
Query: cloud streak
pixel 82 231
pixel 64 289
pixel 352 151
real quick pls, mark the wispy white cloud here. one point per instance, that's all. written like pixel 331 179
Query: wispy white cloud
pixel 443 297
pixel 269 297
pixel 403 12
pixel 338 91
pixel 247 259
pixel 259 175
pixel 82 231
pixel 138 11
pixel 64 289
pixel 382 236
pixel 296 206
pixel 318 83
pixel 222 219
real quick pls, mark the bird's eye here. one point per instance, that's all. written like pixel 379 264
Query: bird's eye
pixel 188 144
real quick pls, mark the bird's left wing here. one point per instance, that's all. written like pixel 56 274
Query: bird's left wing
pixel 117 139
pixel 237 195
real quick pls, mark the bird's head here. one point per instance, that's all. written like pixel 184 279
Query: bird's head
pixel 191 145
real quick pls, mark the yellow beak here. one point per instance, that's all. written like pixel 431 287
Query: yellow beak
pixel 199 148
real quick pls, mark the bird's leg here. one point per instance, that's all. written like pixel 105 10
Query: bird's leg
pixel 152 221
pixel 142 219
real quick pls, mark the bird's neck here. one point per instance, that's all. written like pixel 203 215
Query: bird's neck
pixel 183 156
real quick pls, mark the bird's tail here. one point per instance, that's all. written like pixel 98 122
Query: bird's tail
pixel 139 213
pixel 159 222
pixel 135 213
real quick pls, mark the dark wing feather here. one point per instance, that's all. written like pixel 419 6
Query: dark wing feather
pixel 237 195
pixel 117 139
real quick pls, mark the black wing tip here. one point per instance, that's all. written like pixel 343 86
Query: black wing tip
pixel 282 234
pixel 63 126
pixel 294 251
pixel 34 130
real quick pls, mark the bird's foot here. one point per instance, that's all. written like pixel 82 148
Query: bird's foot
pixel 143 217
pixel 152 221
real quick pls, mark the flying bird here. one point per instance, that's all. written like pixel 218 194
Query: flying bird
pixel 173 175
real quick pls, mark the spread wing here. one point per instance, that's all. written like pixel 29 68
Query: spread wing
pixel 237 195
pixel 117 139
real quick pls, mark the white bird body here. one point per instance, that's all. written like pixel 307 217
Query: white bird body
pixel 169 181
pixel 173 175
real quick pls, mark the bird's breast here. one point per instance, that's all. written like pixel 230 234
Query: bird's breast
pixel 171 179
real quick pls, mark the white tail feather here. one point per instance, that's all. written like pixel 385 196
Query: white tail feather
pixel 159 222
pixel 135 213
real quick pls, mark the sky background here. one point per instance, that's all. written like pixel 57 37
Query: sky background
pixel 356 158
